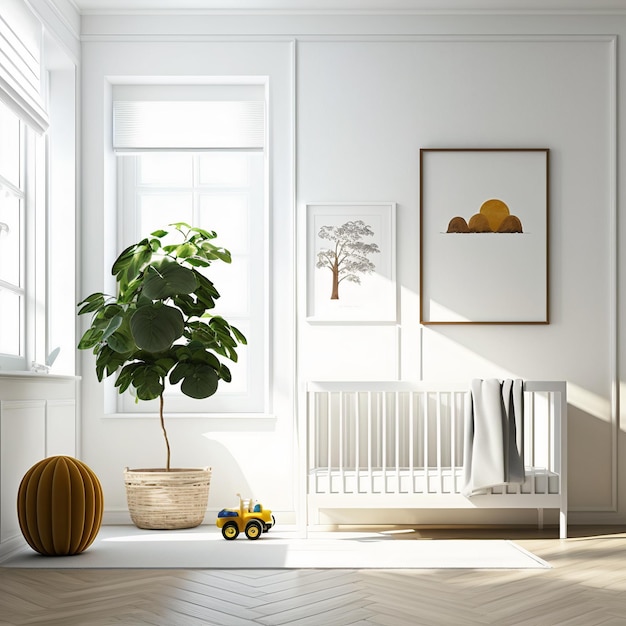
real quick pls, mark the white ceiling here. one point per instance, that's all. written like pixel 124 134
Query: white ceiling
pixel 124 6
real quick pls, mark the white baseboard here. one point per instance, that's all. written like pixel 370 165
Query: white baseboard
pixel 122 517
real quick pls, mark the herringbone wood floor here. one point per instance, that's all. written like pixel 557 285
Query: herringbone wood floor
pixel 587 586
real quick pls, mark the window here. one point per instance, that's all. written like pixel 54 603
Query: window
pixel 222 190
pixel 37 196
pixel 17 153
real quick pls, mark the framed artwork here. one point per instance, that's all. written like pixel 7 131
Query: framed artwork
pixel 484 236
pixel 351 262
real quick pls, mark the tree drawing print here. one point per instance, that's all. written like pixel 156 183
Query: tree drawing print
pixel 346 256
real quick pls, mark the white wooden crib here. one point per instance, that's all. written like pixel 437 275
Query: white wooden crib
pixel 401 445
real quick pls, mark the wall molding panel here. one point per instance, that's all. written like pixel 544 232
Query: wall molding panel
pixel 37 420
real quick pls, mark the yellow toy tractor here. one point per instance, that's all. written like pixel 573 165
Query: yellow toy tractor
pixel 250 518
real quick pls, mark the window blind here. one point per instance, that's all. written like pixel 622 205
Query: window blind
pixel 188 118
pixel 21 87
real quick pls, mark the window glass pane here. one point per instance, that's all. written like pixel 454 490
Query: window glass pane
pixel 225 194
pixel 224 170
pixel 227 215
pixel 10 322
pixel 165 169
pixel 9 146
pixel 158 210
pixel 10 256
pixel 231 280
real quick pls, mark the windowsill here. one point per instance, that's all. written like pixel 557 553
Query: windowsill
pixel 37 376
pixel 253 416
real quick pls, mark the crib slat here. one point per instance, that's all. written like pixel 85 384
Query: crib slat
pixel 533 482
pixel 383 444
pixel 342 400
pixel 397 487
pixel 439 443
pixel 425 440
pixel 411 418
pixel 453 441
pixel 369 442
pixel 357 443
pixel 329 443
pixel 415 445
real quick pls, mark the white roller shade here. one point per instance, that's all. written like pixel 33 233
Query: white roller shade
pixel 21 36
pixel 188 125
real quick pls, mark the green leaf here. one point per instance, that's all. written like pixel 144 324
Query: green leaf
pixel 214 252
pixel 164 365
pixel 114 324
pixel 186 250
pixel 239 336
pixel 121 342
pixel 91 303
pixel 142 256
pixel 180 371
pixel 126 257
pixel 189 306
pixel 148 383
pixel 125 377
pixel 205 234
pixel 180 225
pixel 183 353
pixel 90 338
pixel 198 262
pixel 108 361
pixel 205 287
pixel 155 327
pixel 168 279
pixel 225 374
pixel 201 382
pixel 159 233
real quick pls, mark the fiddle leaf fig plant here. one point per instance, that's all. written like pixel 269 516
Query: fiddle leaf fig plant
pixel 158 328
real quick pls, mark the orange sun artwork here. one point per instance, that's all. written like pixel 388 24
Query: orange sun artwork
pixel 494 217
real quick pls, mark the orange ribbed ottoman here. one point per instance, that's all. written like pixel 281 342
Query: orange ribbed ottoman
pixel 59 506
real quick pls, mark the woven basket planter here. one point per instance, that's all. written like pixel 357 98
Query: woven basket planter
pixel 165 500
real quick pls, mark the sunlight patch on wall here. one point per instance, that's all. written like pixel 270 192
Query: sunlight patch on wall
pixel 590 403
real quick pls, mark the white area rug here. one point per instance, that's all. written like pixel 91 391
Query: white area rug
pixel 204 548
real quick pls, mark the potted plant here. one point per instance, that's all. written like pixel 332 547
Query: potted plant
pixel 158 329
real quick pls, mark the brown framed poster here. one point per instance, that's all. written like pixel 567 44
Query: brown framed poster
pixel 484 236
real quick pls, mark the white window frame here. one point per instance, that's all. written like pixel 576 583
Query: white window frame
pixel 255 355
pixel 31 196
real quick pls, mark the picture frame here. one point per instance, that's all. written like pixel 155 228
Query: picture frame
pixel 484 236
pixel 358 283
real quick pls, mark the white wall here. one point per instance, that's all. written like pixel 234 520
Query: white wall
pixel 252 455
pixel 369 92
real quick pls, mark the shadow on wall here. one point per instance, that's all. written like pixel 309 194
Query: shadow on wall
pixel 589 460
pixel 227 478
pixel 455 353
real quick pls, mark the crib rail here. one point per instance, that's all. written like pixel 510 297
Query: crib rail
pixel 396 439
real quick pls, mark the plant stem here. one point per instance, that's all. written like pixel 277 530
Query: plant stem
pixel 167 442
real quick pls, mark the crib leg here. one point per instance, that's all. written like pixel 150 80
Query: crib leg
pixel 540 519
pixel 562 524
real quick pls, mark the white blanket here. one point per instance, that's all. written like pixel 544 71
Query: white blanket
pixel 494 436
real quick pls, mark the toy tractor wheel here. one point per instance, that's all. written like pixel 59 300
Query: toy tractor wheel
pixel 230 531
pixel 254 530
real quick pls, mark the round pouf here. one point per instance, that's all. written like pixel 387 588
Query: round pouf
pixel 59 506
